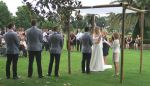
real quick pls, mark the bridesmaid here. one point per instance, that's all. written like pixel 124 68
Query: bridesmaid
pixel 116 52
pixel 106 46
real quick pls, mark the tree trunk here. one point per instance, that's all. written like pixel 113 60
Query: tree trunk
pixel 68 44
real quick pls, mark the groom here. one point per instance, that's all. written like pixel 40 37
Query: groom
pixel 86 41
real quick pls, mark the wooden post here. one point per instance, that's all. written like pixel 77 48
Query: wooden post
pixel 68 44
pixel 141 33
pixel 122 46
pixel 101 6
pixel 93 22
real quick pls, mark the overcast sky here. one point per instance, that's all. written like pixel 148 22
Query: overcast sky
pixel 13 4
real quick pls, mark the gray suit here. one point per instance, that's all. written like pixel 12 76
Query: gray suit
pixel 34 43
pixel 12 42
pixel 55 42
pixel 86 41
pixel 34 39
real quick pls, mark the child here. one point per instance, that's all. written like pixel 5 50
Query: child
pixel 116 52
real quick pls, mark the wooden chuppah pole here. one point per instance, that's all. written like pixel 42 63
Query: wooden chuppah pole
pixel 101 6
pixel 135 9
pixel 141 33
pixel 122 45
pixel 93 22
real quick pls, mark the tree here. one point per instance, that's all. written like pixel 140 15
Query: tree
pixel 115 19
pixel 24 17
pixel 87 18
pixel 64 8
pixel 80 22
pixel 141 4
pixel 48 24
pixel 101 21
pixel 5 15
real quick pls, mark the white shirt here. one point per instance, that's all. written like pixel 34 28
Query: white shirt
pixel 79 35
pixel 116 46
pixel 44 37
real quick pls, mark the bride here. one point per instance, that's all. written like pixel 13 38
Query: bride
pixel 97 60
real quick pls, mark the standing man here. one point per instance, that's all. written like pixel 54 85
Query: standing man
pixel 78 36
pixel 55 42
pixel 86 41
pixel 12 43
pixel 34 46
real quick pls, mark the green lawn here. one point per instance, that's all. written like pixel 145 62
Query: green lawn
pixel 132 77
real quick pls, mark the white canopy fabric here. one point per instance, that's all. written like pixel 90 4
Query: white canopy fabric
pixel 116 10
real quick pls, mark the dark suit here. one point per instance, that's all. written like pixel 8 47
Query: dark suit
pixel 12 43
pixel 34 45
pixel 86 41
pixel 55 42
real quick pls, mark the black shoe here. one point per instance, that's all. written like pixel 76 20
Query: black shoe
pixel 7 77
pixel 56 78
pixel 41 76
pixel 29 76
pixel 83 71
pixel 88 72
pixel 48 74
pixel 16 77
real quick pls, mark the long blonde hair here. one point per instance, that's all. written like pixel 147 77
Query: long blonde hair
pixel 116 35
pixel 96 31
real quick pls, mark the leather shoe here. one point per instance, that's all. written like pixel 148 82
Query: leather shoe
pixel 41 76
pixel 16 77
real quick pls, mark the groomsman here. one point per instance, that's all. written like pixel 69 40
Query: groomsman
pixel 86 41
pixel 34 46
pixel 55 42
pixel 12 43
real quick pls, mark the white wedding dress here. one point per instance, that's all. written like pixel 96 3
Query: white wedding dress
pixel 97 60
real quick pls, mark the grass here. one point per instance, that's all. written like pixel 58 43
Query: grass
pixel 132 77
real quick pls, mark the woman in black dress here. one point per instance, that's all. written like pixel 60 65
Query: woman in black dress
pixel 106 46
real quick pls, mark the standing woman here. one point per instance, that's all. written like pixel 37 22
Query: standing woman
pixel 97 60
pixel 116 52
pixel 137 42
pixel 106 46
